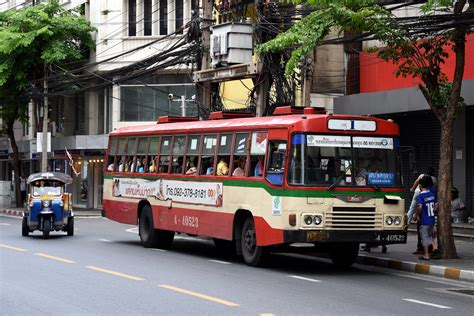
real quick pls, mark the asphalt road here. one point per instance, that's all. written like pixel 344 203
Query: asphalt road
pixel 103 269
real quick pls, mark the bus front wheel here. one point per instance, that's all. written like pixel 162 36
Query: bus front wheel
pixel 149 236
pixel 253 255
pixel 344 255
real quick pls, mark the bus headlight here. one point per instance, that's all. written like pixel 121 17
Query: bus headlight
pixel 317 220
pixel 308 219
pixel 389 220
pixel 398 220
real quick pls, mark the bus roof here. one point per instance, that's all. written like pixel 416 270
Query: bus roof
pixel 299 122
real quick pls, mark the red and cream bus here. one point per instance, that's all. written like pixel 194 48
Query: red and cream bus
pixel 260 184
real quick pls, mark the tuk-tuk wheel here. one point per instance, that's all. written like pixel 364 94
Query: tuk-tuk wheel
pixel 46 228
pixel 25 230
pixel 70 226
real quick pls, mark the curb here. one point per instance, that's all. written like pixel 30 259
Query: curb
pixel 12 213
pixel 439 271
pixel 19 213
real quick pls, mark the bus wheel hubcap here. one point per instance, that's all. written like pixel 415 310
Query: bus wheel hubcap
pixel 250 240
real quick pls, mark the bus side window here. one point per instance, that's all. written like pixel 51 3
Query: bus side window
pixel 141 161
pixel 276 162
pixel 152 161
pixel 165 150
pixel 223 157
pixel 111 163
pixel 258 147
pixel 207 155
pixel 240 155
pixel 192 154
pixel 131 158
pixel 178 154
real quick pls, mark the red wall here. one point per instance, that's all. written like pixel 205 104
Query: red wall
pixel 377 75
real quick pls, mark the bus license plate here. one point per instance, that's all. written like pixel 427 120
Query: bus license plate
pixel 395 238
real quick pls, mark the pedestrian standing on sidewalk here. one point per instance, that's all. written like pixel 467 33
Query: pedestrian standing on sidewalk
pixel 425 215
pixel 23 187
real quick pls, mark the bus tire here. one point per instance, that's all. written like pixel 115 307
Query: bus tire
pixel 254 255
pixel 25 230
pixel 344 255
pixel 149 236
pixel 146 229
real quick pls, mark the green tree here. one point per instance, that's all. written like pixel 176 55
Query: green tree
pixel 417 52
pixel 31 38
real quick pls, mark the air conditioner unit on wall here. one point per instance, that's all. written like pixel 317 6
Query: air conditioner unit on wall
pixel 231 43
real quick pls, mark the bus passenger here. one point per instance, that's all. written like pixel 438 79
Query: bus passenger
pixel 153 165
pixel 258 172
pixel 239 170
pixel 222 167
pixel 193 169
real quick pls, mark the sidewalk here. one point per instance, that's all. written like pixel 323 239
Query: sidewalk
pixel 400 257
pixel 78 212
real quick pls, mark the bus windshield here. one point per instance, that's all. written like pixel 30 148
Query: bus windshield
pixel 340 160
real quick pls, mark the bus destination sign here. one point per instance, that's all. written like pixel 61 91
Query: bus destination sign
pixel 352 125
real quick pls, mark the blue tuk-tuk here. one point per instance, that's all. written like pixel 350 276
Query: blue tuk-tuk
pixel 48 206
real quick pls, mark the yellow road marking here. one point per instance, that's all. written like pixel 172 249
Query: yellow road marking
pixel 203 296
pixel 13 248
pixel 53 257
pixel 126 276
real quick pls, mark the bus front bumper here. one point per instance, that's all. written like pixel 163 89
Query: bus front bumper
pixel 327 236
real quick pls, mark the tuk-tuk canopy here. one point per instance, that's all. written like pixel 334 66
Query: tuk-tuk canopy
pixel 51 176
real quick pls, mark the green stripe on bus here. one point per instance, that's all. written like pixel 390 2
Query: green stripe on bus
pixel 274 191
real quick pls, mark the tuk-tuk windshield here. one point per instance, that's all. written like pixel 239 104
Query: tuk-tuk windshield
pixel 52 188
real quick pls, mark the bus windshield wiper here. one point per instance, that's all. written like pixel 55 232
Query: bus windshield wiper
pixel 332 186
pixel 376 187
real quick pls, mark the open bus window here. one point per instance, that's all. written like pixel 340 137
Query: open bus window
pixel 141 159
pixel 178 154
pixel 111 157
pixel 276 162
pixel 257 153
pixel 240 155
pixel 192 154
pixel 153 155
pixel 207 154
pixel 223 157
pixel 165 151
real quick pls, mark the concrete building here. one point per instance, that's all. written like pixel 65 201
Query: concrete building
pixel 81 123
pixel 382 94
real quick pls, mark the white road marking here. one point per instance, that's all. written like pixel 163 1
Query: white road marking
pixel 133 230
pixel 426 303
pixel 105 240
pixel 5 224
pixel 221 262
pixel 303 278
pixel 160 250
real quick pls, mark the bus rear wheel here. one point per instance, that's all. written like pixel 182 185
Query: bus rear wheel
pixel 149 236
pixel 254 255
pixel 344 255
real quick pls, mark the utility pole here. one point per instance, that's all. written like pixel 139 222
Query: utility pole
pixel 206 45
pixel 183 106
pixel 44 138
